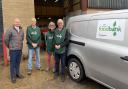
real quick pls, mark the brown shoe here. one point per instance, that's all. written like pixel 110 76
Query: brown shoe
pixel 47 69
pixel 41 69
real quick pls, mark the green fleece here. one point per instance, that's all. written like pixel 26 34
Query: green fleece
pixel 33 36
pixel 49 41
pixel 61 37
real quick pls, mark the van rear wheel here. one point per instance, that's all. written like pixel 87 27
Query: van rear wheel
pixel 76 71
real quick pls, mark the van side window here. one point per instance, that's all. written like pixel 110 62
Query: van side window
pixel 79 28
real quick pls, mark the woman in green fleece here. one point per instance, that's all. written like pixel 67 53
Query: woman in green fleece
pixel 49 43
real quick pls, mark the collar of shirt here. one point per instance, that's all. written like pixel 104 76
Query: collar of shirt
pixel 59 29
pixel 33 27
pixel 17 28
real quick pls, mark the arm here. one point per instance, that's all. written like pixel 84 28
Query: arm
pixel 7 38
pixel 23 36
pixel 39 39
pixel 28 36
pixel 45 39
pixel 54 39
pixel 66 40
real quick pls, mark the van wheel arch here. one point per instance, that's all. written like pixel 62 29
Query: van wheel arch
pixel 78 61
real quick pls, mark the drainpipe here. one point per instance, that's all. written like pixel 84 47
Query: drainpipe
pixel 83 6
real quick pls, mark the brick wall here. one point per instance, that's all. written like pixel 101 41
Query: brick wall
pixel 23 9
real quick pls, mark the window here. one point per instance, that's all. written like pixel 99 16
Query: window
pixel 79 28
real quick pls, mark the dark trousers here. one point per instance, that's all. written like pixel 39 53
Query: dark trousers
pixel 58 58
pixel 15 58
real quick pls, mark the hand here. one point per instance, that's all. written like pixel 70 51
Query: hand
pixel 34 45
pixel 57 46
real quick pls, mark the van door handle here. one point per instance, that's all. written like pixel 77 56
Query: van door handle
pixel 125 58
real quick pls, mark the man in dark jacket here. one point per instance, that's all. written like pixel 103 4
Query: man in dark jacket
pixel 61 40
pixel 14 41
pixel 33 40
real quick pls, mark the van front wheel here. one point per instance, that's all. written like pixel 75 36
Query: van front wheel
pixel 76 71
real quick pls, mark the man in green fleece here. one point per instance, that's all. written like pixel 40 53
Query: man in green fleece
pixel 61 40
pixel 33 40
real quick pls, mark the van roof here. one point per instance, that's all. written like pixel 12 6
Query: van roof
pixel 88 16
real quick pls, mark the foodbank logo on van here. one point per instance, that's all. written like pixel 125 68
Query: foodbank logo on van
pixel 112 29
pixel 115 29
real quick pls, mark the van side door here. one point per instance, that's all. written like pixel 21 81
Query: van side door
pixel 106 49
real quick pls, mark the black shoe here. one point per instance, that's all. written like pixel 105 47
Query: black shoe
pixel 62 78
pixel 20 76
pixel 29 72
pixel 13 80
pixel 56 76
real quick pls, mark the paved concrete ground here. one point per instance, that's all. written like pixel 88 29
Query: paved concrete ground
pixel 42 80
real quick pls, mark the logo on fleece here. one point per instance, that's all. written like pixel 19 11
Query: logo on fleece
pixel 50 37
pixel 34 33
pixel 59 36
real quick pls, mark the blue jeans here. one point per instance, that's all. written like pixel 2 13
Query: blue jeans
pixel 15 58
pixel 31 52
pixel 58 58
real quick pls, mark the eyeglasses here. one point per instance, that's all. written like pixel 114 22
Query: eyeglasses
pixel 51 25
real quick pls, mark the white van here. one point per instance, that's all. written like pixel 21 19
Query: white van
pixel 99 48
